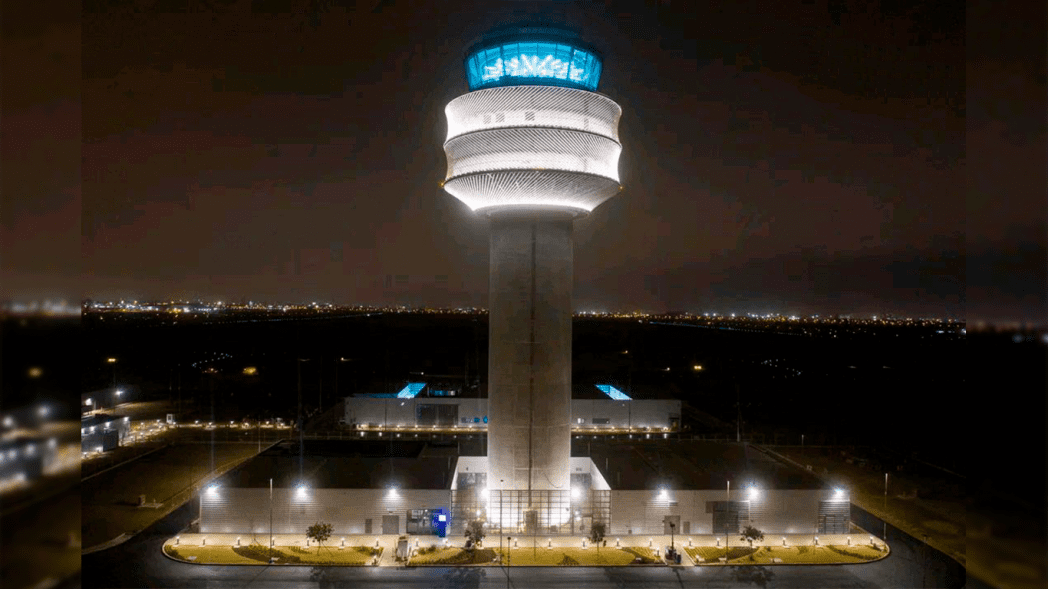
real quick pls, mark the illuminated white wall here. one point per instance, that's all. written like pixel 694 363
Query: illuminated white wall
pixel 533 106
pixel 532 189
pixel 651 413
pixel 237 510
pixel 531 149
pixel 532 146
pixel 771 511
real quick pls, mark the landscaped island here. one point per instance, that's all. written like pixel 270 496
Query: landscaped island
pixel 737 555
pixel 259 554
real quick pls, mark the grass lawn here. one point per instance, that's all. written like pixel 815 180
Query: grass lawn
pixel 453 555
pixel 35 542
pixel 258 554
pixel 541 556
pixel 712 553
pixel 579 557
pixel 788 554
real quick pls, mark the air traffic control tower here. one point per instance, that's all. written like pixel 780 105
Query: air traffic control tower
pixel 532 146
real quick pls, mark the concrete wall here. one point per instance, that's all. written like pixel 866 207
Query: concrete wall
pixel 473 464
pixel 228 510
pixel 402 412
pixel 243 511
pixel 654 414
pixel 782 512
pixel 529 365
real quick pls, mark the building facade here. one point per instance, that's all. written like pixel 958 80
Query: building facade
pixel 404 511
pixel 585 414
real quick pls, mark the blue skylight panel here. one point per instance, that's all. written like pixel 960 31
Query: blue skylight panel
pixel 411 390
pixel 613 392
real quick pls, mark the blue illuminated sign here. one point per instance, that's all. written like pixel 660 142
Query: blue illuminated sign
pixel 440 522
pixel 521 62
pixel 613 392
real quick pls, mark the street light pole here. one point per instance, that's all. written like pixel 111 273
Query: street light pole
pixel 924 563
pixel 884 531
pixel 727 510
pixel 270 520
pixel 502 515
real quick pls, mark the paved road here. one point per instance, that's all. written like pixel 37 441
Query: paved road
pixel 34 540
pixel 139 563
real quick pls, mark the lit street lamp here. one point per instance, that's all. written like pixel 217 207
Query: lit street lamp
pixel 112 362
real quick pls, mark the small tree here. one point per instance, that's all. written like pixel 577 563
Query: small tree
pixel 319 532
pixel 596 534
pixel 751 533
pixel 475 531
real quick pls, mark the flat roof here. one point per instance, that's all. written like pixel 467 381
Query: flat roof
pixel 626 465
pixel 99 419
pixel 634 465
pixel 348 464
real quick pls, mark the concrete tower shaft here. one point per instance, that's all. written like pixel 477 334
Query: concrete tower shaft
pixel 529 366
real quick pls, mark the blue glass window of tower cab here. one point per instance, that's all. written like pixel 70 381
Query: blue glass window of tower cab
pixel 533 63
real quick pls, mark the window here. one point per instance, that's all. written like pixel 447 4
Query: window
pixel 601 420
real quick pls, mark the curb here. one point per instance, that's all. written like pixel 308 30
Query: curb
pixel 110 544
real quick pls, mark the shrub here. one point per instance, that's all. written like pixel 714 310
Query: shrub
pixel 846 552
pixel 568 561
pixel 254 552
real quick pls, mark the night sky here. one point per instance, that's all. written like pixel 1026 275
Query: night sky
pixel 808 158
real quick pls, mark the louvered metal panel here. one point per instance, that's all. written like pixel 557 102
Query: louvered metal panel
pixel 532 188
pixel 533 106
pixel 247 510
pixel 533 149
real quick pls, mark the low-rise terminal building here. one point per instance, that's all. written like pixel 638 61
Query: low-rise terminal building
pixel 102 432
pixel 413 407
pixel 633 487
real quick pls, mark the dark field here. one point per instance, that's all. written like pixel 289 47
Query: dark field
pixel 847 388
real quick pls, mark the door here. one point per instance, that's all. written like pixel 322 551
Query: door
pixel 671 524
pixel 391 524
pixel 367 526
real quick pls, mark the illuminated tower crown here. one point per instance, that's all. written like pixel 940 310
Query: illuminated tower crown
pixel 532 133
